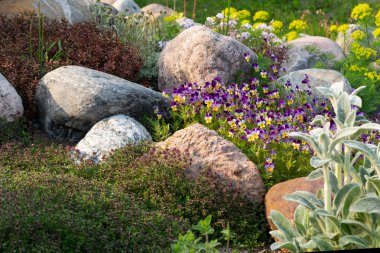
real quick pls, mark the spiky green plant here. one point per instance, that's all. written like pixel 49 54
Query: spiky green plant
pixel 343 214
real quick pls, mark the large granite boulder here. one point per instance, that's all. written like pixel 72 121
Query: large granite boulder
pixel 126 6
pixel 317 78
pixel 10 102
pixel 110 134
pixel 274 197
pixel 207 150
pixel 71 10
pixel 199 54
pixel 156 10
pixel 108 1
pixel 301 58
pixel 72 99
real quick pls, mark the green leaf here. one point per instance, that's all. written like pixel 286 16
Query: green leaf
pixel 317 162
pixel 315 174
pixel 333 183
pixel 360 242
pixel 362 147
pixel 343 107
pixel 366 205
pixel 282 224
pixel 345 197
pixel 304 198
pixel 300 214
pixel 343 134
pixel 306 138
pixel 373 184
pixel 350 120
pixel 278 234
pixel 323 244
pixel 285 245
pixel 351 222
pixel 331 217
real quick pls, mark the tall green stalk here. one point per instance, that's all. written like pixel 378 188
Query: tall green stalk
pixel 228 16
pixel 40 52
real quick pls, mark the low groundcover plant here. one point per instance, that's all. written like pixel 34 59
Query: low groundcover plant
pixel 343 215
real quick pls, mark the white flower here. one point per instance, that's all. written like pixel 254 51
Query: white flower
pixel 210 20
pixel 265 27
pixel 245 35
pixel 232 23
pixel 219 16
pixel 162 44
pixel 247 26
pixel 187 23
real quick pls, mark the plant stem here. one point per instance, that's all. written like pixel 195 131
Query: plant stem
pixel 184 8
pixel 174 5
pixel 228 16
pixel 327 194
pixel 194 9
pixel 347 165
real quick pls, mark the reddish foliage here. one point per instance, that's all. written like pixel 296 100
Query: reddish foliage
pixel 83 44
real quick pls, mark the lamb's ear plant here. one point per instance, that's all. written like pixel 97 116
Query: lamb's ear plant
pixel 344 214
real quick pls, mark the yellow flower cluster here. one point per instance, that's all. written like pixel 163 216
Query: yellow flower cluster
pixel 362 52
pixel 277 25
pixel 373 76
pixel 232 12
pixel 261 16
pixel 173 17
pixel 243 14
pixel 358 35
pixel 376 33
pixel 333 28
pixel 377 22
pixel 343 28
pixel 292 35
pixel 298 25
pixel 361 11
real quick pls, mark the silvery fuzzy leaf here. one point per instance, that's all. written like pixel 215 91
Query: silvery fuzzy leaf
pixel 356 223
pixel 280 221
pixel 373 184
pixel 341 135
pixel 323 244
pixel 344 198
pixel 356 91
pixel 319 119
pixel 366 149
pixel 369 127
pixel 324 143
pixel 316 132
pixel 285 245
pixel 304 198
pixel 310 245
pixel 333 183
pixel 313 145
pixel 317 162
pixel 356 101
pixel 337 88
pixel 339 124
pixel 350 120
pixel 334 220
pixel 300 214
pixel 363 173
pixel 343 107
pixel 337 157
pixel 300 228
pixel 278 234
pixel 359 242
pixel 366 205
pixel 315 174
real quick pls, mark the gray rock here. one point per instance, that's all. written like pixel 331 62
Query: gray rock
pixel 301 58
pixel 126 6
pixel 110 134
pixel 199 54
pixel 207 150
pixel 72 99
pixel 157 10
pixel 317 77
pixel 345 40
pixel 71 10
pixel 10 102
